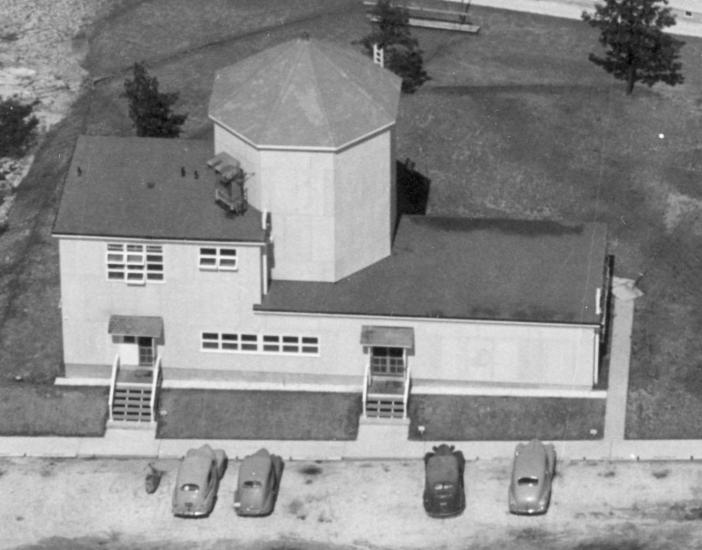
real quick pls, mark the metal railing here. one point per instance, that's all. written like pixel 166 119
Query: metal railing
pixel 113 383
pixel 366 383
pixel 405 396
pixel 155 383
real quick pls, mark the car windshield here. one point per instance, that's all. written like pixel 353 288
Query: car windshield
pixel 529 481
pixel 252 484
pixel 190 487
pixel 443 486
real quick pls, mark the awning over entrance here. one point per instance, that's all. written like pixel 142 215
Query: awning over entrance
pixel 135 325
pixel 390 337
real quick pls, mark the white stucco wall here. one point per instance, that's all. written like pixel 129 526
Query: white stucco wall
pixel 445 351
pixel 299 193
pixel 188 299
pixel 363 204
pixel 192 301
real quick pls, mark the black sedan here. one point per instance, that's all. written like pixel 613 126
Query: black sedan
pixel 444 493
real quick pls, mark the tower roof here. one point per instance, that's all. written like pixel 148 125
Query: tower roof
pixel 305 93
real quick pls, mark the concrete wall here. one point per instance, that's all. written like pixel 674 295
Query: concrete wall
pixel 188 300
pixel 363 204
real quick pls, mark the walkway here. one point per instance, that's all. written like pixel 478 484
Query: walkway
pixel 687 25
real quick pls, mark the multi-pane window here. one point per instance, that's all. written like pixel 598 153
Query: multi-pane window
pixel 255 343
pixel 134 263
pixel 216 258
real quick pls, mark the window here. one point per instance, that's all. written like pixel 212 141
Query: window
pixel 218 259
pixel 118 339
pixel 254 343
pixel 387 361
pixel 134 263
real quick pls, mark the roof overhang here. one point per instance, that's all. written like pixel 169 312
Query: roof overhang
pixel 135 325
pixel 390 337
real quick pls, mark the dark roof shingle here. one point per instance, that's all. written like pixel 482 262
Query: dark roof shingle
pixel 134 187
pixel 532 271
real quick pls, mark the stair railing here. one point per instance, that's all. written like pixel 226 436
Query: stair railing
pixel 366 383
pixel 155 383
pixel 113 384
pixel 405 397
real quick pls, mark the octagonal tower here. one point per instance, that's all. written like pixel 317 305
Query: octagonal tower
pixel 312 124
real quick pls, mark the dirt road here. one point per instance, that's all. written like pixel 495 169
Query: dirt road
pixel 102 503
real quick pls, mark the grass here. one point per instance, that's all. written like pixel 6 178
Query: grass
pixel 34 410
pixel 457 418
pixel 219 414
pixel 514 123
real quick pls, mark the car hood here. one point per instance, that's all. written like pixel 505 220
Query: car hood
pixel 527 494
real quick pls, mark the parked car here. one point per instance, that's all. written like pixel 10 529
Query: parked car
pixel 258 484
pixel 444 493
pixel 197 481
pixel 532 475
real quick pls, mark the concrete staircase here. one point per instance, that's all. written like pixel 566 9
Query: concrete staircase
pixel 132 403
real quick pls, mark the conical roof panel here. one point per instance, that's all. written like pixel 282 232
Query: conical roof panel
pixel 305 93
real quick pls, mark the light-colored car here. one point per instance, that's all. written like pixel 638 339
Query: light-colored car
pixel 444 493
pixel 532 475
pixel 197 481
pixel 258 484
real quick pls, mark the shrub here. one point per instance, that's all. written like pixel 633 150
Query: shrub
pixel 17 127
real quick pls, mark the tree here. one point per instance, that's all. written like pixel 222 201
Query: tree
pixel 637 49
pixel 401 51
pixel 149 109
pixel 17 127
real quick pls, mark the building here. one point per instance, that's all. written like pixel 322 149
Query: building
pixel 276 263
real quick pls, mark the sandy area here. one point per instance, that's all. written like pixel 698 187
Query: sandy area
pixel 359 504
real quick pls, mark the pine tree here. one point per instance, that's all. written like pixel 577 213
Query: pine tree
pixel 637 48
pixel 401 50
pixel 150 110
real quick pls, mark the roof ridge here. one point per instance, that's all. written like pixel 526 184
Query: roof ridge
pixel 283 88
pixel 320 99
pixel 353 80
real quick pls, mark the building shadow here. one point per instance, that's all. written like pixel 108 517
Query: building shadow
pixel 412 189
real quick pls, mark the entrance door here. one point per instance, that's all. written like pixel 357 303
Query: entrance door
pixel 386 361
pixel 147 351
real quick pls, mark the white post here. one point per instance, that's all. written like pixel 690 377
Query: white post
pixel 154 387
pixel 365 388
pixel 378 55
pixel 113 383
pixel 407 388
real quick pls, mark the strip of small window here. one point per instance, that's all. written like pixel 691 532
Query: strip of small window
pixel 267 343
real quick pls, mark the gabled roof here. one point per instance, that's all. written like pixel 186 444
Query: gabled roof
pixel 461 268
pixel 135 187
pixel 305 93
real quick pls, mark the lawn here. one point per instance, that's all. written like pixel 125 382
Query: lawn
pixel 219 414
pixel 514 123
pixel 465 418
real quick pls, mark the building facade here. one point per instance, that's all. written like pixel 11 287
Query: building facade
pixel 274 259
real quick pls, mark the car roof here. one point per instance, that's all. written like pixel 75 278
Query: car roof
pixel 529 459
pixel 442 468
pixel 195 466
pixel 255 466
